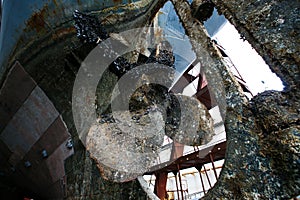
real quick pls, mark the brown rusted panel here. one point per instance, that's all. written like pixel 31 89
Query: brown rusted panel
pixel 16 88
pixel 160 188
pixel 54 136
pixel 189 77
pixel 202 82
pixel 28 124
pixel 45 175
pixel 56 166
pixel 180 85
pixel 184 80
pixel 177 150
pixel 55 162
pixel 206 98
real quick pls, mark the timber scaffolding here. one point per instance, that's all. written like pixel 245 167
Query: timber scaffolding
pixel 200 155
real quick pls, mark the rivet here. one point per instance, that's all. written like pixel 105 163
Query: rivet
pixel 44 153
pixel 27 164
pixel 69 144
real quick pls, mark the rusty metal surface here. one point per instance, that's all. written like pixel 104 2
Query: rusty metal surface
pixel 206 98
pixel 26 35
pixel 36 20
pixel 191 160
pixel 52 138
pixel 258 159
pixel 28 124
pixel 45 172
pixel 33 125
pixel 15 90
pixel 55 162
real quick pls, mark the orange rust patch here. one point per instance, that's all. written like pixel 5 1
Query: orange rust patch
pixel 64 31
pixel 37 20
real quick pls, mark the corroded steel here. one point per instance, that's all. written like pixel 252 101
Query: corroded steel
pixel 14 92
pixel 262 135
pixel 42 37
pixel 272 28
pixel 34 127
pixel 194 159
pixel 42 23
pixel 250 170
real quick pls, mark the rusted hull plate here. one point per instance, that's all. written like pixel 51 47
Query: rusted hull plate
pixel 52 139
pixel 13 93
pixel 28 124
pixel 56 162
pixel 33 125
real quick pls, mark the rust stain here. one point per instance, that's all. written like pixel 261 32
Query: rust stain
pixel 101 170
pixel 64 31
pixel 37 20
